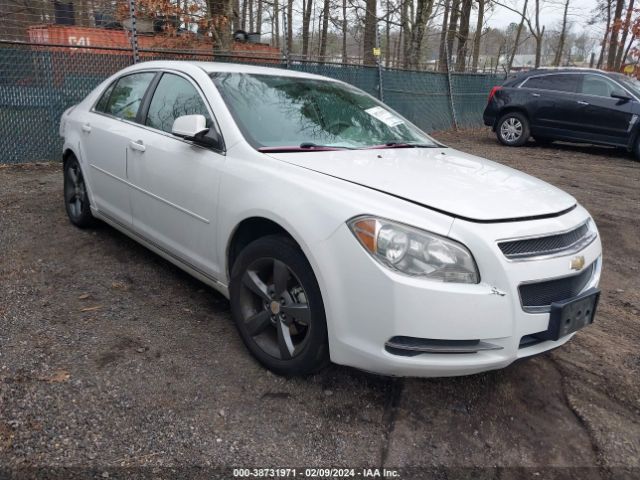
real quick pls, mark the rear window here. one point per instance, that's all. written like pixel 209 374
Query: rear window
pixel 101 106
pixel 559 83
pixel 126 97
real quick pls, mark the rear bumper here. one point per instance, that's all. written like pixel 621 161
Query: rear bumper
pixel 488 120
pixel 490 114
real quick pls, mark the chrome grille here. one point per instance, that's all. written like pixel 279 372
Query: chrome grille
pixel 547 245
pixel 538 296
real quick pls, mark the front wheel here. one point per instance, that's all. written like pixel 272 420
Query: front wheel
pixel 277 307
pixel 513 129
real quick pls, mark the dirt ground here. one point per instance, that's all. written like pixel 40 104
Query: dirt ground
pixel 111 358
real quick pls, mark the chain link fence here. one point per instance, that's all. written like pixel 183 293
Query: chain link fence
pixel 52 56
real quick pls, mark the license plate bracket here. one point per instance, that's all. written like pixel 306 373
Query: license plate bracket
pixel 571 315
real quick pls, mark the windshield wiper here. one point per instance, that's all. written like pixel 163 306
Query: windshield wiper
pixel 303 147
pixel 402 145
pixel 315 146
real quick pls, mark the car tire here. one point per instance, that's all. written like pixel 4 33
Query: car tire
pixel 76 197
pixel 513 129
pixel 277 307
pixel 636 149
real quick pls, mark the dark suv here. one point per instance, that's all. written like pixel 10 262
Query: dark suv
pixel 576 105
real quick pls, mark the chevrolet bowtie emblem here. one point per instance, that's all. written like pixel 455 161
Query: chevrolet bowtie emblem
pixel 577 263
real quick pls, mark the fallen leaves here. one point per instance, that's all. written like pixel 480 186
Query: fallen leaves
pixel 84 296
pixel 59 376
pixel 91 309
pixel 119 286
pixel 6 436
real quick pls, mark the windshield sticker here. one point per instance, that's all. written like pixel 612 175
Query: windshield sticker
pixel 385 116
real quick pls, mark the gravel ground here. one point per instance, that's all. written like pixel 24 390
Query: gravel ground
pixel 110 357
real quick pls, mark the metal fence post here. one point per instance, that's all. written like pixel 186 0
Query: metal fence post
pixel 285 39
pixel 379 63
pixel 134 31
pixel 450 84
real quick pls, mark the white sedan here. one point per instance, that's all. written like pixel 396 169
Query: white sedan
pixel 338 230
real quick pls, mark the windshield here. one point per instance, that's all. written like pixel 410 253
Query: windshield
pixel 276 111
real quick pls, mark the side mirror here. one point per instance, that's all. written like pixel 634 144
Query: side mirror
pixel 194 128
pixel 189 126
pixel 621 95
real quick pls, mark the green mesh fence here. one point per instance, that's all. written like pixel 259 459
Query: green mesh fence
pixel 422 97
pixel 470 92
pixel 38 83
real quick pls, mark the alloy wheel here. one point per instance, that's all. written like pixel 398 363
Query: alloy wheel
pixel 511 129
pixel 75 190
pixel 274 308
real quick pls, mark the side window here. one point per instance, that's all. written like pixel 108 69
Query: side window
pixel 559 83
pixel 174 97
pixel 101 106
pixel 127 95
pixel 596 85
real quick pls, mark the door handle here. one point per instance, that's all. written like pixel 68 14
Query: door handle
pixel 139 146
pixel 535 94
pixel 86 128
pixel 582 103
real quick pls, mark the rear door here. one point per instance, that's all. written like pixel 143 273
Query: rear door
pixel 105 137
pixel 552 101
pixel 174 182
pixel 603 118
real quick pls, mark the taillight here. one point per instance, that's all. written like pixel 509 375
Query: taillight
pixel 492 93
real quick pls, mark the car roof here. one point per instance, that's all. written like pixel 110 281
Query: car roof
pixel 517 77
pixel 551 70
pixel 212 67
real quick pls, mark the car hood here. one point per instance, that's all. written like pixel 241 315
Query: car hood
pixel 442 179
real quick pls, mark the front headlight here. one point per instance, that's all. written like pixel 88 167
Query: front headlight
pixel 415 252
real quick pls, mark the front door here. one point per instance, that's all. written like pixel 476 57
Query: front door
pixel 603 118
pixel 174 183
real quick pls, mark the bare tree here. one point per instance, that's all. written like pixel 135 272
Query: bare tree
pixel 463 35
pixel 221 12
pixel 453 27
pixel 626 26
pixel 537 32
pixel 370 32
pixel 344 31
pixel 325 30
pixel 606 34
pixel 478 35
pixel 258 27
pixel 423 13
pixel 613 38
pixel 307 6
pixel 442 56
pixel 563 35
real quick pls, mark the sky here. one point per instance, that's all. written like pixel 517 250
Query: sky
pixel 580 12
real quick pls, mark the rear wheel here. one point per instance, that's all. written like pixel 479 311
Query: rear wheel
pixel 277 307
pixel 76 198
pixel 513 129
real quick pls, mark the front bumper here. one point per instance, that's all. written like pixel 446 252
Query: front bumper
pixel 367 304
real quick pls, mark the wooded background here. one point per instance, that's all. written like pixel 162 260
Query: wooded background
pixel 459 35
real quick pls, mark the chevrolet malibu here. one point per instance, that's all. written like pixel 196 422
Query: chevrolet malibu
pixel 337 229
